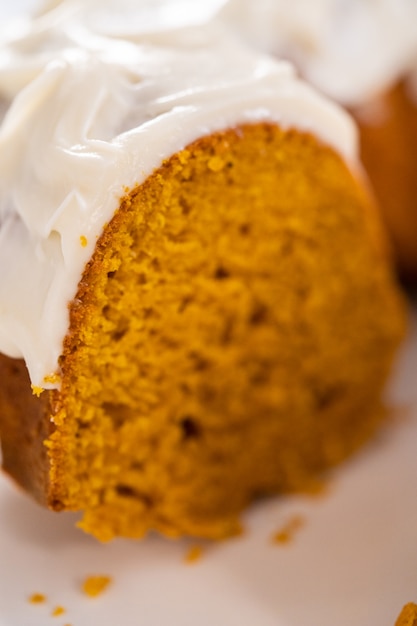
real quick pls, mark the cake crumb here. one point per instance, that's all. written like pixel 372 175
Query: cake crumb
pixel 215 164
pixel 58 610
pixel 95 585
pixel 83 241
pixel 53 378
pixel 408 616
pixel 37 390
pixel 286 533
pixel 37 598
pixel 194 554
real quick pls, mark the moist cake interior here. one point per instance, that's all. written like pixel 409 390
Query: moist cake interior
pixel 230 338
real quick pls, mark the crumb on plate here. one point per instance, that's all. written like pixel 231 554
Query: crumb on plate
pixel 37 598
pixel 286 533
pixel 194 554
pixel 95 585
pixel 58 610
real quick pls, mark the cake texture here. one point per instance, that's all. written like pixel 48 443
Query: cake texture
pixel 363 55
pixel 228 317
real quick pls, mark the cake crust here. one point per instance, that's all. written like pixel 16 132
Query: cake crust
pixel 24 426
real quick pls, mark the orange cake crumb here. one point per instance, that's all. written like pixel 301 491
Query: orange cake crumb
pixel 83 241
pixel 95 585
pixel 37 598
pixel 58 610
pixel 408 616
pixel 52 378
pixel 194 554
pixel 216 163
pixel 37 390
pixel 286 533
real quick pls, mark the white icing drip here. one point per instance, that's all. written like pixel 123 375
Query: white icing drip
pixel 350 49
pixel 92 114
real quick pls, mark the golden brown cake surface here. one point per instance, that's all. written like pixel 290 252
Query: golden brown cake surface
pixel 230 338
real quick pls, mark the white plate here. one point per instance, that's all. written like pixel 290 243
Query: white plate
pixel 353 563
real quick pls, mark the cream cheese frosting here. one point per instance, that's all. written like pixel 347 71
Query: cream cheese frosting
pixel 94 96
pixel 350 49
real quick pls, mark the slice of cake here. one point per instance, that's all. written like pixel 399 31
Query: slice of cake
pixel 196 305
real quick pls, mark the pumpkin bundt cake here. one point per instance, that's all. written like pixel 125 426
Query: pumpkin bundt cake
pixel 197 305
pixel 361 54
pixel 388 127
